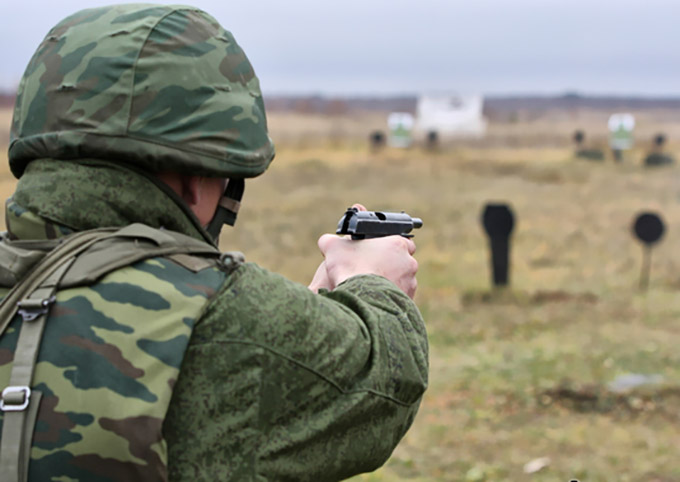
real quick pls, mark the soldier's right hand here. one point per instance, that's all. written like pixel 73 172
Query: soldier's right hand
pixel 390 257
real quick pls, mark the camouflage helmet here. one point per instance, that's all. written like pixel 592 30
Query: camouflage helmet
pixel 160 88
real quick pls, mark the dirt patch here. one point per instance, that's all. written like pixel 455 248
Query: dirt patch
pixel 522 298
pixel 596 399
pixel 541 297
pixel 5 121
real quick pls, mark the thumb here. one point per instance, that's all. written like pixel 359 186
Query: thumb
pixel 326 241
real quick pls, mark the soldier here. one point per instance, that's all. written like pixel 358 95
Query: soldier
pixel 157 357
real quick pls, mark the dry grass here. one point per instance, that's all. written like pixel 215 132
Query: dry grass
pixel 521 375
pixel 515 375
pixel 5 120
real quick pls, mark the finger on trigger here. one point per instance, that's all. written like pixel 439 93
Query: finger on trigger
pixel 411 246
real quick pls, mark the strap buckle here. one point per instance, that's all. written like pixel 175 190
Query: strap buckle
pixel 30 309
pixel 15 399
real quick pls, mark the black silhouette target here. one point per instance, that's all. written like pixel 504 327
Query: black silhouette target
pixel 499 221
pixel 432 140
pixel 660 139
pixel 377 140
pixel 649 229
pixel 579 137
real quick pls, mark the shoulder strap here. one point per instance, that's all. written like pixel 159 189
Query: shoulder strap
pixel 81 259
pixel 71 247
pixel 35 293
pixel 129 245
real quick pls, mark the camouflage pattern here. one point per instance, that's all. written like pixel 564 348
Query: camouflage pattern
pixel 160 87
pixel 31 225
pixel 276 382
pixel 282 384
pixel 76 195
pixel 109 360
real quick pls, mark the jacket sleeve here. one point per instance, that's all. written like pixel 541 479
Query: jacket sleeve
pixel 280 383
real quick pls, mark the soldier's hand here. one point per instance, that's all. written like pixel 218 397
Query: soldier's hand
pixel 320 279
pixel 391 257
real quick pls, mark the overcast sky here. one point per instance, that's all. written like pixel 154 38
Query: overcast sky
pixel 349 47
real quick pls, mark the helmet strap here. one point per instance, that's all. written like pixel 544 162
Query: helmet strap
pixel 228 207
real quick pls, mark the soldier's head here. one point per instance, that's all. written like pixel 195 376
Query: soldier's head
pixel 159 89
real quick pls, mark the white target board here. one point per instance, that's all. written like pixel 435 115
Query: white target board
pixel 400 126
pixel 621 127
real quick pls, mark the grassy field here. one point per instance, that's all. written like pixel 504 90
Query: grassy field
pixel 520 378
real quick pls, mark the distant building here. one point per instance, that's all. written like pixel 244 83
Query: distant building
pixel 451 115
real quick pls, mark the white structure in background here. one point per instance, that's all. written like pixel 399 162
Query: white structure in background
pixel 621 127
pixel 400 125
pixel 451 115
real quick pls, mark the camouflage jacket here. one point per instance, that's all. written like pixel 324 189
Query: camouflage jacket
pixel 158 371
pixel 276 383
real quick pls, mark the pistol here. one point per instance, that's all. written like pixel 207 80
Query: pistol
pixel 375 224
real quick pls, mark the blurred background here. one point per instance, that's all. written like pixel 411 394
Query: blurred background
pixel 568 113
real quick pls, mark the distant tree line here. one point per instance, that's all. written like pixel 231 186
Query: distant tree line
pixel 6 100
pixel 495 108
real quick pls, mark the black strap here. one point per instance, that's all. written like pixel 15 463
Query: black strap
pixel 227 210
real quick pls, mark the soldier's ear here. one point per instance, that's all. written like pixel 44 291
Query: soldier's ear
pixel 186 187
pixel 191 190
